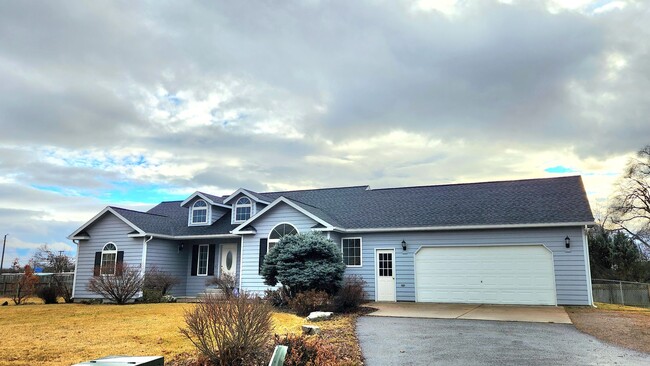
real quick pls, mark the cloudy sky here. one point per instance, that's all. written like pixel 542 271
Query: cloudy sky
pixel 131 103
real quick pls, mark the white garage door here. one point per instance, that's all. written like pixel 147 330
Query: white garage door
pixel 489 275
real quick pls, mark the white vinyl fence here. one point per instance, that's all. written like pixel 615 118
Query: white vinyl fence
pixel 621 292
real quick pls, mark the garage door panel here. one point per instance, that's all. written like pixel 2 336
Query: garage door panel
pixel 497 274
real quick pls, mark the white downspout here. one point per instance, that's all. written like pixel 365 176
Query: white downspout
pixel 76 268
pixel 241 260
pixel 585 242
pixel 144 253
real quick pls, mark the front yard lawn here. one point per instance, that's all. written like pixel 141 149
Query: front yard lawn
pixel 625 326
pixel 65 334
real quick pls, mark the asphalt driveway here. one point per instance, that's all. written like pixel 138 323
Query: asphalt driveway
pixel 411 341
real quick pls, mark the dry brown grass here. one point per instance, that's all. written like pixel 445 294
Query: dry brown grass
pixel 65 334
pixel 626 326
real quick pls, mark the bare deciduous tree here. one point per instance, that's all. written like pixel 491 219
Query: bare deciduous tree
pixel 630 207
pixel 120 287
pixel 25 286
pixel 49 261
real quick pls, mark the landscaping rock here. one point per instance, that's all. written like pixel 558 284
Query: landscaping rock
pixel 5 303
pixel 310 329
pixel 319 315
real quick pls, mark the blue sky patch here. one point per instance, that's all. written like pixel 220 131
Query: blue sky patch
pixel 145 193
pixel 559 169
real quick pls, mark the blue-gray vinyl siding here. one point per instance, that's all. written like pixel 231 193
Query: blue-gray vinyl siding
pixel 281 213
pixel 164 255
pixel 569 265
pixel 106 229
pixel 195 285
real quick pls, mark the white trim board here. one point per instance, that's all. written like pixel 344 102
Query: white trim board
pixel 204 197
pixel 454 228
pixel 100 214
pixel 246 193
pixel 238 229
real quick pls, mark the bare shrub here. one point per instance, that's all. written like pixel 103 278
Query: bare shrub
pixel 120 287
pixel 227 283
pixel 63 288
pixel 306 302
pixel 350 296
pixel 161 281
pixel 278 297
pixel 306 350
pixel 25 286
pixel 230 331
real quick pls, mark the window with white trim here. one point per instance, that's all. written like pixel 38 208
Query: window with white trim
pixel 109 259
pixel 199 212
pixel 278 232
pixel 243 209
pixel 351 249
pixel 202 265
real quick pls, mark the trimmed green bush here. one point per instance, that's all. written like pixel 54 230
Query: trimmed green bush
pixel 304 262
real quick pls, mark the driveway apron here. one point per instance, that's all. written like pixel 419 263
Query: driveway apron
pixel 410 341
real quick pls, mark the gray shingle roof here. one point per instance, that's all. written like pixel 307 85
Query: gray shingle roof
pixel 531 201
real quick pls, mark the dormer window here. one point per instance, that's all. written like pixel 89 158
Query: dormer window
pixel 243 209
pixel 199 213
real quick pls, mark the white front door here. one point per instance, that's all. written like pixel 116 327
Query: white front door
pixel 385 265
pixel 229 259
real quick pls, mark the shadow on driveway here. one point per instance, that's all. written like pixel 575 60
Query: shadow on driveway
pixel 409 341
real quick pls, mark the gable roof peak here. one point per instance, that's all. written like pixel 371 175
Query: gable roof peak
pixel 211 199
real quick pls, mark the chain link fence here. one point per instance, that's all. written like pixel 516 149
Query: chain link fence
pixel 621 292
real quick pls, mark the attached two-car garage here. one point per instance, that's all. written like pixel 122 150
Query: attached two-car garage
pixel 508 274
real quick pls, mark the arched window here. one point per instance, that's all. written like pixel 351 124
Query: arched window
pixel 278 232
pixel 109 259
pixel 199 214
pixel 243 209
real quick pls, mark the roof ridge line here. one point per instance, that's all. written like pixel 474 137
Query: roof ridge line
pixel 141 212
pixel 475 183
pixel 315 189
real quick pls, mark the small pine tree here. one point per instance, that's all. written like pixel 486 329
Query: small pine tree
pixel 304 262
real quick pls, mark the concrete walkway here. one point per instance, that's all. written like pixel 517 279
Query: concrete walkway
pixel 514 313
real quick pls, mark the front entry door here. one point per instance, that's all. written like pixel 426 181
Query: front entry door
pixel 229 259
pixel 385 265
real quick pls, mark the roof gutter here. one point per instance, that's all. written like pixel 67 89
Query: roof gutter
pixel 460 227
pixel 186 237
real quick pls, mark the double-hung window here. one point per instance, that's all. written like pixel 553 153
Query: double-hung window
pixel 202 265
pixel 199 214
pixel 243 209
pixel 109 259
pixel 351 249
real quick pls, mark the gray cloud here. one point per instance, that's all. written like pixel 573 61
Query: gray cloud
pixel 269 96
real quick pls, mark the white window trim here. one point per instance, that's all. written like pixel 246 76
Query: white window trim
pixel 274 241
pixel 360 250
pixel 252 205
pixel 208 214
pixel 101 261
pixel 207 261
